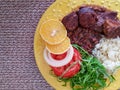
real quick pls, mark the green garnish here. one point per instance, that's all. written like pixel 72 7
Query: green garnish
pixel 92 75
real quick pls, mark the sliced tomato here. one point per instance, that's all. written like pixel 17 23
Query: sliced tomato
pixel 59 56
pixel 58 70
pixel 73 70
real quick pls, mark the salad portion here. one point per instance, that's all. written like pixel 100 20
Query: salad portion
pixel 69 47
pixel 71 63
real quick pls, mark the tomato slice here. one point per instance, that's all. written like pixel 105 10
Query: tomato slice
pixel 73 70
pixel 59 56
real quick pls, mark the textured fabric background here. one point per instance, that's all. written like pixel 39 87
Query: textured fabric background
pixel 18 21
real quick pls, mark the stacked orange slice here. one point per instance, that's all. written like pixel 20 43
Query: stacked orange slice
pixel 54 34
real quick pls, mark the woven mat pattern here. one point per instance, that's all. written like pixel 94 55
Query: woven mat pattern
pixel 18 21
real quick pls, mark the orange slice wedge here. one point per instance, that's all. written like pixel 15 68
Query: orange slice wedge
pixel 53 32
pixel 59 48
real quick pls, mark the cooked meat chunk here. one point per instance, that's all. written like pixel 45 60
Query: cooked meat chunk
pixel 86 26
pixel 75 36
pixel 89 40
pixel 111 28
pixel 69 33
pixel 109 15
pixel 98 26
pixel 85 38
pixel 70 21
pixel 96 8
pixel 99 10
pixel 101 20
pixel 87 17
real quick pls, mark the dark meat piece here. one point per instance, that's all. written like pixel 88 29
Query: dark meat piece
pixel 69 33
pixel 99 9
pixel 86 10
pixel 90 39
pixel 101 20
pixel 85 38
pixel 87 17
pixel 98 27
pixel 96 8
pixel 75 36
pixel 78 31
pixel 109 15
pixel 87 25
pixel 111 28
pixel 70 21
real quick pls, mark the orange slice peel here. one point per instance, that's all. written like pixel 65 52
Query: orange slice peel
pixel 53 32
pixel 59 48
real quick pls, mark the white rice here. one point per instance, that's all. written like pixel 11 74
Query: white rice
pixel 108 52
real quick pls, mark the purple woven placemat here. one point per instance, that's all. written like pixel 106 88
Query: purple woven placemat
pixel 18 21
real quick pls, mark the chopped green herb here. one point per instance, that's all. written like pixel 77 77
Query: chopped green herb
pixel 92 75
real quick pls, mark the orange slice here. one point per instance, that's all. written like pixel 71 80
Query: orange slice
pixel 59 48
pixel 53 32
